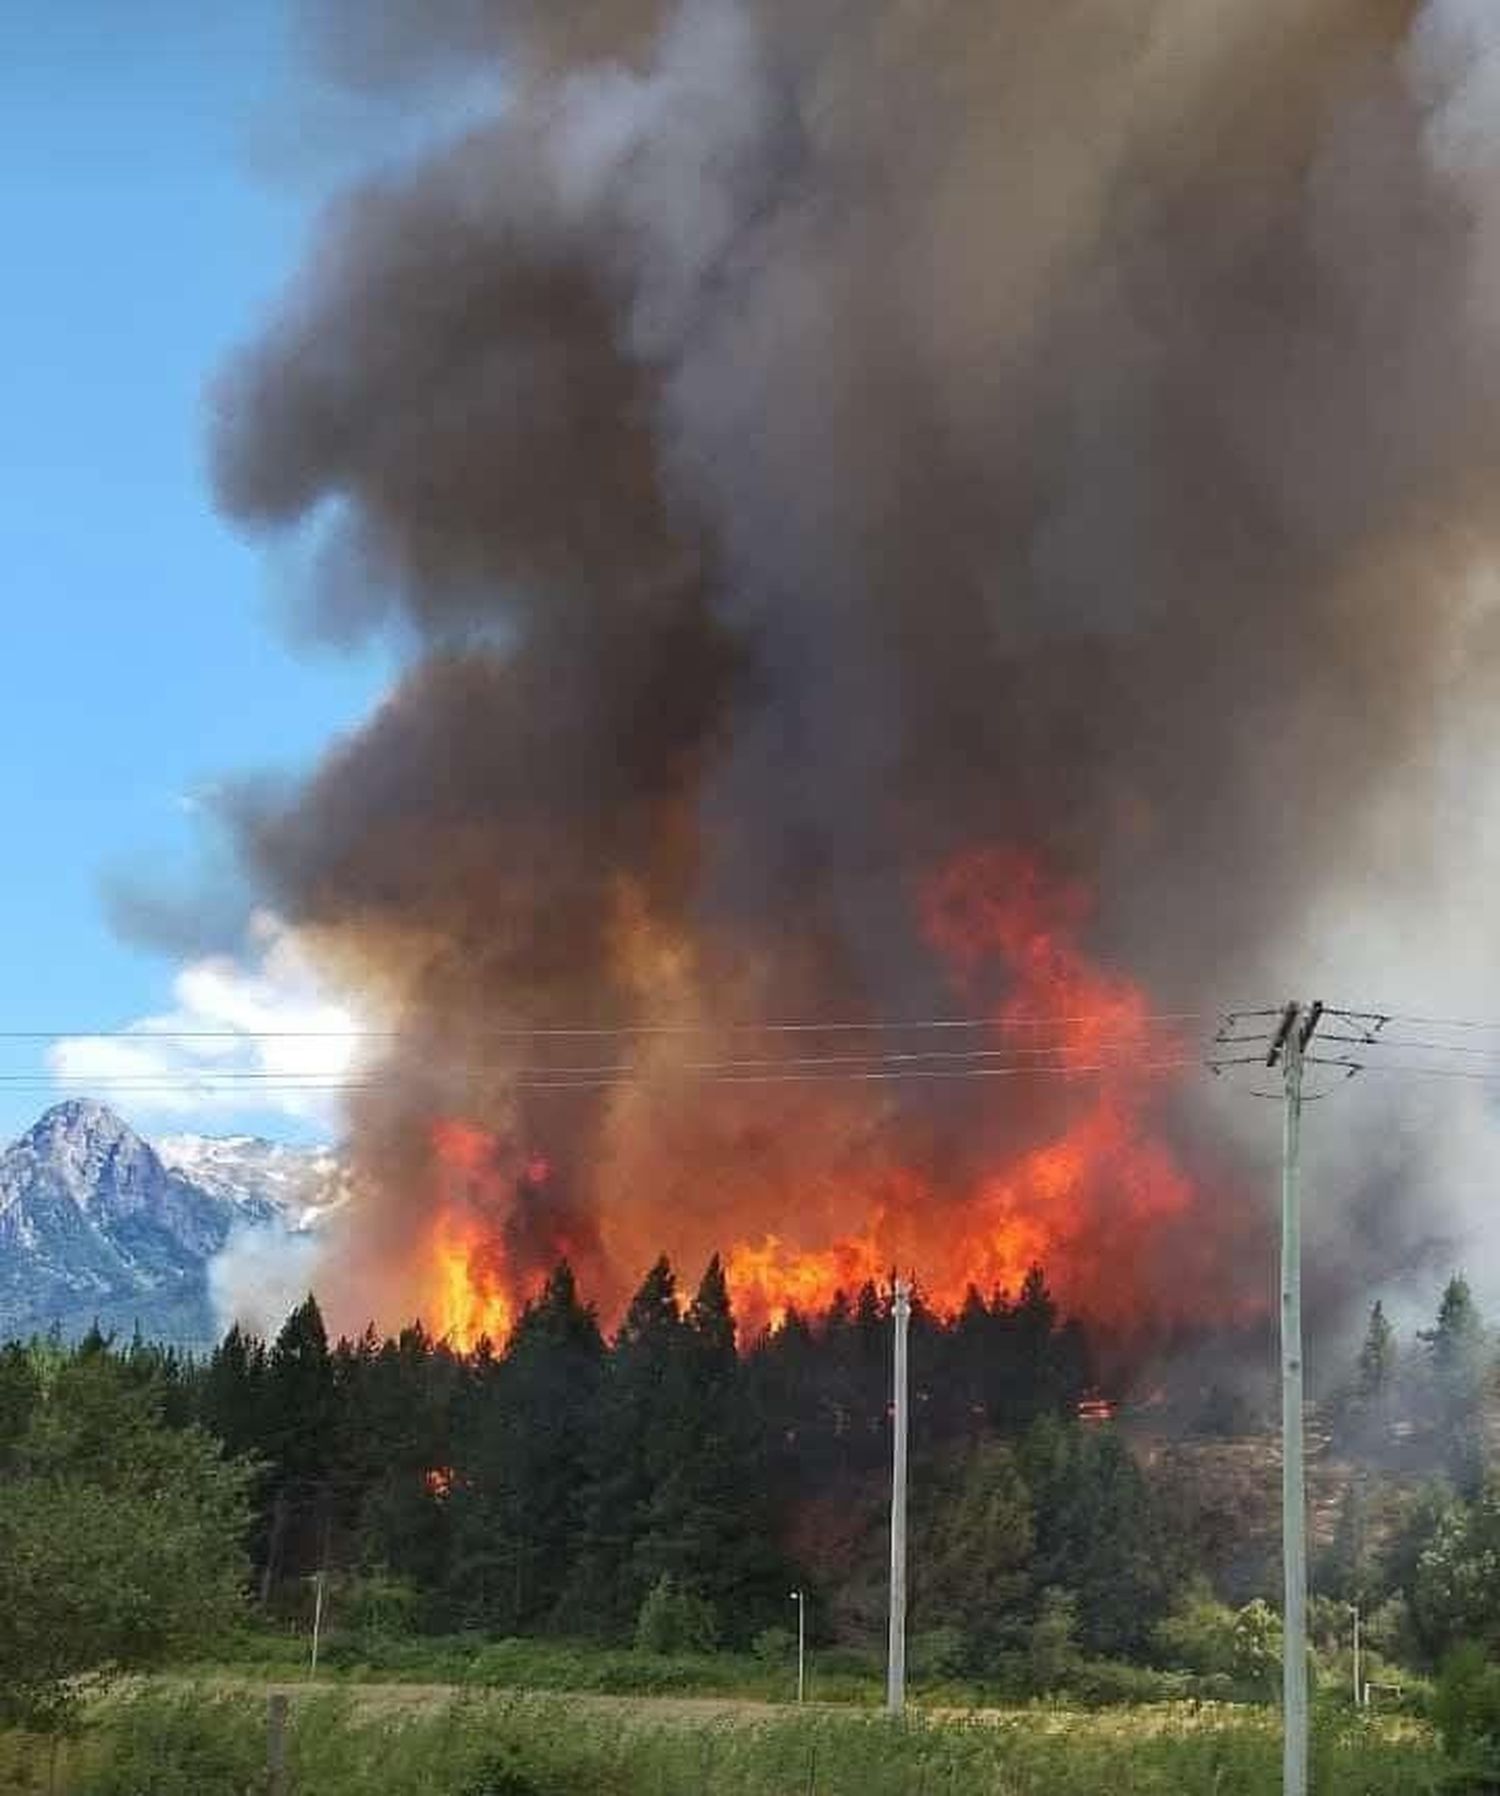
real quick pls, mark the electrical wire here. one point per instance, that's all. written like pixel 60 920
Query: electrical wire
pixel 606 1078
pixel 1460 1074
pixel 911 1057
pixel 1422 1022
pixel 615 1031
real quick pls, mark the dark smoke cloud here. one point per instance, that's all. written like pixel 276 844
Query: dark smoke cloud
pixel 812 439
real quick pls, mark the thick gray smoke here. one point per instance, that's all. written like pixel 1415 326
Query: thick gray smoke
pixel 809 441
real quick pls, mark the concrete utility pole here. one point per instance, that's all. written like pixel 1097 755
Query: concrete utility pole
pixel 276 1715
pixel 1288 1048
pixel 895 1678
pixel 799 1597
pixel 1358 1699
pixel 317 1633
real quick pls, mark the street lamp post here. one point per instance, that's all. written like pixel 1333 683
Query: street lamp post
pixel 799 1597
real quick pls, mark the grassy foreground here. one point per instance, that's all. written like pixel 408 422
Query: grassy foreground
pixel 192 1742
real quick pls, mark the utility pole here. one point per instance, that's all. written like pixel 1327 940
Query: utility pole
pixel 317 1633
pixel 895 1678
pixel 1358 1700
pixel 276 1715
pixel 799 1597
pixel 1288 1048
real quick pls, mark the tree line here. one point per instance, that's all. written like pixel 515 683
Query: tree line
pixel 668 1485
pixel 553 1484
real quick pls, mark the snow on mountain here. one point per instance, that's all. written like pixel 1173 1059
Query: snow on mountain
pixel 97 1223
pixel 302 1185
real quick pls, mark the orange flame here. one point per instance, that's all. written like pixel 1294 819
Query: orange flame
pixel 469 1289
pixel 1076 1179
pixel 1075 1203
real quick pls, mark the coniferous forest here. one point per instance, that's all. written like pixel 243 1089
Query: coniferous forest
pixel 669 1486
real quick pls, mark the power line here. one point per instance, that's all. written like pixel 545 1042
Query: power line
pixel 910 1057
pixel 1419 1022
pixel 559 1079
pixel 1458 1073
pixel 614 1031
pixel 1417 1047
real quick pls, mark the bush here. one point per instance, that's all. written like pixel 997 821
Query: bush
pixel 675 1621
pixel 1051 1649
pixel 502 1776
pixel 1257 1648
pixel 1103 1683
pixel 1199 1634
pixel 190 1745
pixel 937 1654
pixel 378 1606
pixel 1466 1709
pixel 774 1646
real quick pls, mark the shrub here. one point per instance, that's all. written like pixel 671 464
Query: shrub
pixel 937 1654
pixel 1199 1634
pixel 188 1745
pixel 1051 1650
pixel 774 1646
pixel 673 1620
pixel 503 1777
pixel 1466 1709
pixel 1257 1647
pixel 378 1606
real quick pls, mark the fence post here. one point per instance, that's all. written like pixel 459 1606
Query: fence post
pixel 276 1713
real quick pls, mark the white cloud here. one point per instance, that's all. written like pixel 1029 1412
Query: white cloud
pixel 255 1032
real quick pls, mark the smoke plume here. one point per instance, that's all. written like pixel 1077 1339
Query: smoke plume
pixel 815 449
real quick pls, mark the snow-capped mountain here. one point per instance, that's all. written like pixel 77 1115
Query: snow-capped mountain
pixel 302 1185
pixel 97 1224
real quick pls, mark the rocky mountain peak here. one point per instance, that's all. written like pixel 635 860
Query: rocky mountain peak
pixel 91 1152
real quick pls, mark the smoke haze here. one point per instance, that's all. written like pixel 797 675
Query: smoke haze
pixel 809 445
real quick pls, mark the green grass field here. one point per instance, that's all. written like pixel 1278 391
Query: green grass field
pixel 401 1741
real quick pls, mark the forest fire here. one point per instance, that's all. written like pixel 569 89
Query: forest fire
pixel 1080 1182
pixel 1065 1203
pixel 470 1301
pixel 796 458
pixel 470 1297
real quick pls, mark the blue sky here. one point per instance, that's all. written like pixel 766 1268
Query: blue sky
pixel 149 219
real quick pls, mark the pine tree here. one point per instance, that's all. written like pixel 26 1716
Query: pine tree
pixel 300 1397
pixel 973 1567
pixel 522 1457
pixel 1456 1358
pixel 710 1322
pixel 20 1394
pixel 1377 1358
pixel 1099 1533
pixel 232 1395
pixel 634 1442
pixel 707 1525
pixel 297 1435
pixel 1344 1572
